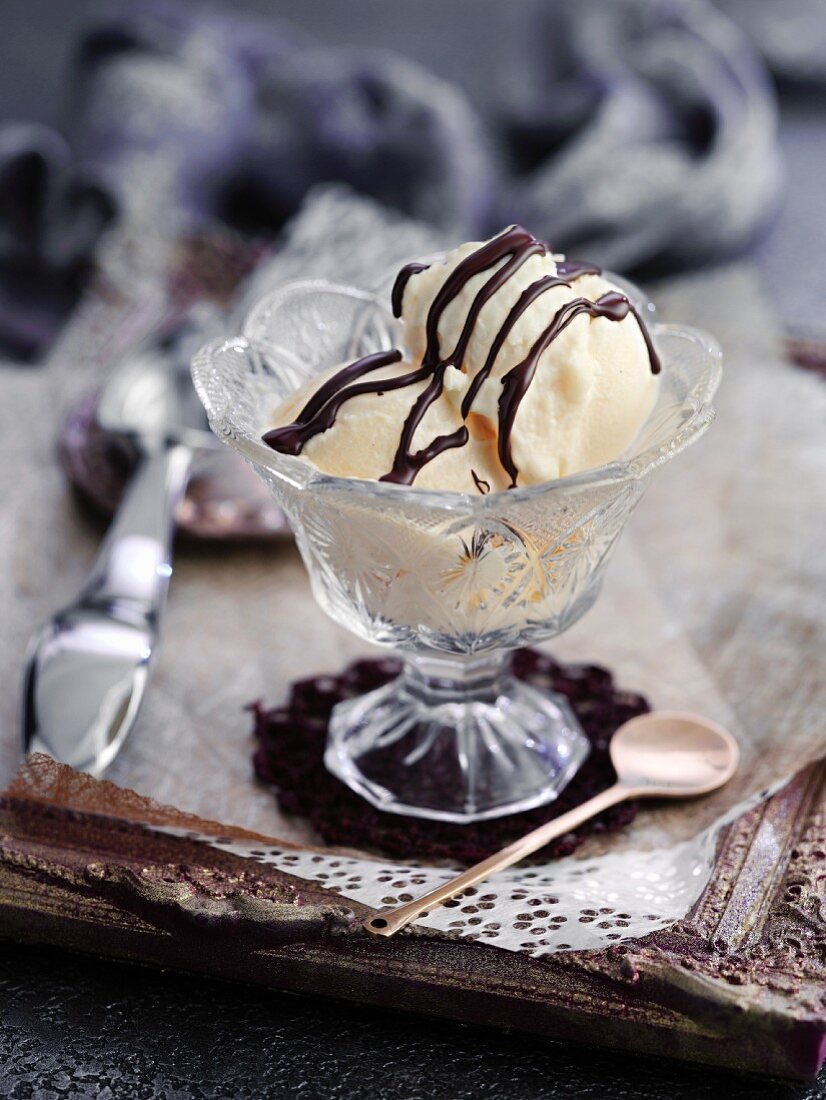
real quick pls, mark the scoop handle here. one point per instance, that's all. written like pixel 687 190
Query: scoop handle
pixel 391 921
pixel 133 565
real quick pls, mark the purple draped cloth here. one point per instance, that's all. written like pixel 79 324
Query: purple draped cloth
pixel 639 133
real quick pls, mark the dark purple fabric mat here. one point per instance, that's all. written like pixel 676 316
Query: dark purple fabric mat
pixel 289 757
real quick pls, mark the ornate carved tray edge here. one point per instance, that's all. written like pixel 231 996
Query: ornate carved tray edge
pixel 740 982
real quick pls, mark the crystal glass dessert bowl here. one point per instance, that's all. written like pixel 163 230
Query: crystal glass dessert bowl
pixel 453 581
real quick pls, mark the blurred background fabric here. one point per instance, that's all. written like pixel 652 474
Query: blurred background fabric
pixel 790 35
pixel 51 219
pixel 236 118
pixel 642 134
pixel 649 133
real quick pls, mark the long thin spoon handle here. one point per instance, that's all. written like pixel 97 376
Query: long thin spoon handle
pixel 386 924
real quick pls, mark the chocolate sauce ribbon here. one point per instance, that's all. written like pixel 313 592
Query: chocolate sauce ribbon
pixel 513 246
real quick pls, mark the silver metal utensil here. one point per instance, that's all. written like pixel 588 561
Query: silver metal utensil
pixel 666 754
pixel 87 669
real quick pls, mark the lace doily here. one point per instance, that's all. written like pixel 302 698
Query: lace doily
pixel 290 758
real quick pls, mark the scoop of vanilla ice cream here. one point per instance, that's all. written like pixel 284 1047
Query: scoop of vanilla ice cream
pixel 364 438
pixel 592 390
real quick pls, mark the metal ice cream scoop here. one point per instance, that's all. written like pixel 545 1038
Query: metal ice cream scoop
pixel 88 667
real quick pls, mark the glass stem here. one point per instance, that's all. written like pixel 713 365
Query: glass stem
pixel 439 678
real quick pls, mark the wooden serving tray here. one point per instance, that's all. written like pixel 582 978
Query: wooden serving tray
pixel 741 982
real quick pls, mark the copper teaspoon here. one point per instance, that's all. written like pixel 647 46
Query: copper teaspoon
pixel 662 755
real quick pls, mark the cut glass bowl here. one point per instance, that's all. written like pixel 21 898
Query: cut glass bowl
pixel 455 582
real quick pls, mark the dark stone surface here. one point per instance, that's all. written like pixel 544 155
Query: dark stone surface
pixel 75 1027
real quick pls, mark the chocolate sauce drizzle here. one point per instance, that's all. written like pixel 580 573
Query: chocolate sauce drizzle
pixel 515 384
pixel 321 410
pixel 514 246
pixel 575 269
pixel 480 483
pixel 400 284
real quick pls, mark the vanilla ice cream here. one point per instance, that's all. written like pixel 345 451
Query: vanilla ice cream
pixel 517 367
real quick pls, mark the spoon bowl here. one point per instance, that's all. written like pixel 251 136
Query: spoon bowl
pixel 670 754
pixel 150 398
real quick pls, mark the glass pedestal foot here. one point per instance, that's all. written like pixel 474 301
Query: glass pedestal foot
pixel 456 739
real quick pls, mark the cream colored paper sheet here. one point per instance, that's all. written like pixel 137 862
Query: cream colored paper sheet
pixel 715 600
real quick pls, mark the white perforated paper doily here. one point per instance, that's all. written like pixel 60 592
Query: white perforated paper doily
pixel 568 905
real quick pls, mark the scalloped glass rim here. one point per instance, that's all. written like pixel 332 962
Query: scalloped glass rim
pixel 697 405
